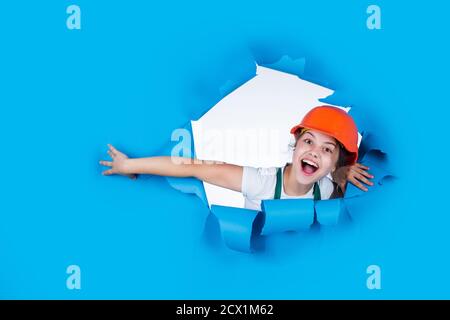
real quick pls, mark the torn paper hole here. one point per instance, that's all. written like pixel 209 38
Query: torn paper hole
pixel 250 126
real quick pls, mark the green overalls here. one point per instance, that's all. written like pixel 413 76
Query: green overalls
pixel 278 186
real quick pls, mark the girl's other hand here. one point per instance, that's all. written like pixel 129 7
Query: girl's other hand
pixel 357 174
pixel 117 164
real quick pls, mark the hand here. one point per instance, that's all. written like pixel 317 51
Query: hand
pixel 357 174
pixel 117 163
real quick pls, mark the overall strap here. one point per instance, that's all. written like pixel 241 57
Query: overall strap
pixel 278 185
pixel 316 190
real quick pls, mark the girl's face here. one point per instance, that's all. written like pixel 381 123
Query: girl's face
pixel 316 154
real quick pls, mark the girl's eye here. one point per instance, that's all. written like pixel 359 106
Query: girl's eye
pixel 307 141
pixel 328 150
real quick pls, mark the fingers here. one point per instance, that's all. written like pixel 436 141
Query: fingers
pixel 357 178
pixel 358 184
pixel 112 151
pixel 362 166
pixel 363 179
pixel 362 169
pixel 363 172
pixel 358 175
pixel 107 172
pixel 106 163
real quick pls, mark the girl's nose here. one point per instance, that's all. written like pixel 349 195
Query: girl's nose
pixel 313 153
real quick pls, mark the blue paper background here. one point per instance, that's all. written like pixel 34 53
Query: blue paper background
pixel 136 71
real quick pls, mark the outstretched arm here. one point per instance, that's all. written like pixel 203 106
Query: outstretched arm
pixel 221 174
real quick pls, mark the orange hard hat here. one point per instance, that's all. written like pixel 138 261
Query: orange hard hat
pixel 334 122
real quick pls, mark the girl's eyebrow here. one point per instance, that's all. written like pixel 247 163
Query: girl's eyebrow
pixel 333 144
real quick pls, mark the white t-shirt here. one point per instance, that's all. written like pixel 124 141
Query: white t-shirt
pixel 259 184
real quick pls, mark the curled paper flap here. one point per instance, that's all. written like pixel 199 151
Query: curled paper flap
pixel 236 226
pixel 287 215
pixel 186 185
pixel 329 212
pixel 241 228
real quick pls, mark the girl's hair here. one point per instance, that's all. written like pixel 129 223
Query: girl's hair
pixel 344 155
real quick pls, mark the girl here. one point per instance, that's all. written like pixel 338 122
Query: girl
pixel 325 143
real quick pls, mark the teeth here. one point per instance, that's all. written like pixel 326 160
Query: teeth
pixel 310 162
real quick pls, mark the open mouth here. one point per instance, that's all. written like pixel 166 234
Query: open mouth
pixel 309 167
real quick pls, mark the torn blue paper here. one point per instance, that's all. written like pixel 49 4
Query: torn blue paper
pixel 189 185
pixel 372 159
pixel 368 143
pixel 328 212
pixel 287 215
pixel 288 65
pixel 236 226
pixel 186 185
pixel 240 227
